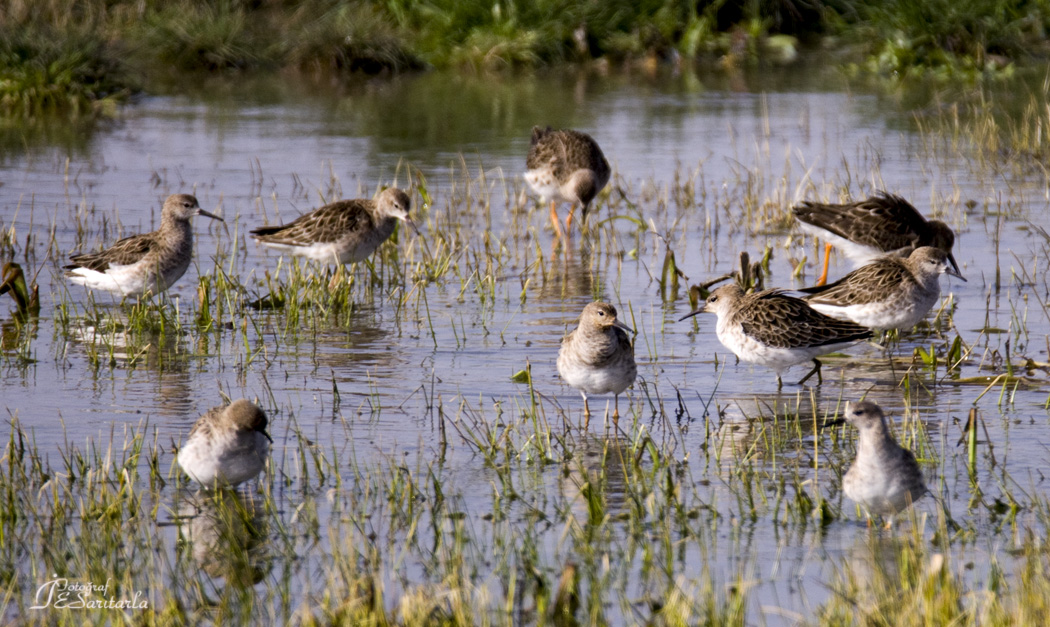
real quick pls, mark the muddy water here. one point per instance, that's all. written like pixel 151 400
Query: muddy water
pixel 751 147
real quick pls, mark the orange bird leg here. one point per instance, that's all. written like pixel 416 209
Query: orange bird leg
pixel 827 257
pixel 554 220
pixel 568 220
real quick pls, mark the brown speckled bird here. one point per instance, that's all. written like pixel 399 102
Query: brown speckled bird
pixel 144 264
pixel 884 224
pixel 597 357
pixel 565 165
pixel 888 293
pixel 343 232
pixel 776 330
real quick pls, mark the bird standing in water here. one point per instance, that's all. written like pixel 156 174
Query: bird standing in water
pixel 565 165
pixel 884 478
pixel 776 330
pixel 884 224
pixel 597 357
pixel 143 264
pixel 227 445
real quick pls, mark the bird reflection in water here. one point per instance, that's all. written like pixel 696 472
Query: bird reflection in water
pixel 595 480
pixel 226 534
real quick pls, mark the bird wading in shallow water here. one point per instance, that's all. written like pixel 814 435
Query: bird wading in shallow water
pixel 597 357
pixel 884 478
pixel 565 165
pixel 884 224
pixel 776 330
pixel 227 445
pixel 888 293
pixel 342 232
pixel 146 264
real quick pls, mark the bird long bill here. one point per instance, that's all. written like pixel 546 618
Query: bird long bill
pixel 691 314
pixel 957 273
pixel 834 422
pixel 412 225
pixel 208 214
pixel 618 323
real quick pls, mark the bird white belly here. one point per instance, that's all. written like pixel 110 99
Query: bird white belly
pixel 224 461
pixel 545 185
pixel 776 358
pixel 894 313
pixel 324 252
pixel 876 491
pixel 595 381
pixel 130 280
pixel 859 254
pixel 779 359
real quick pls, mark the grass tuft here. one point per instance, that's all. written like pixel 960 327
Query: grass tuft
pixel 47 72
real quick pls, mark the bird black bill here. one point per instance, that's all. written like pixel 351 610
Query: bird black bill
pixel 412 225
pixel 208 214
pixel 691 314
pixel 954 270
pixel 834 422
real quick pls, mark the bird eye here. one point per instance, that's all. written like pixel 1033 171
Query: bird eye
pixel 601 313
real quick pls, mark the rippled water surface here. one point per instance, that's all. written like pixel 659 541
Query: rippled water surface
pixel 704 167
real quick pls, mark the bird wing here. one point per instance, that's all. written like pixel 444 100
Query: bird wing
pixel 909 467
pixel 541 149
pixel 596 158
pixel 326 224
pixel 781 321
pixel 611 352
pixel 124 253
pixel 884 221
pixel 867 284
pixel 205 422
pixel 624 342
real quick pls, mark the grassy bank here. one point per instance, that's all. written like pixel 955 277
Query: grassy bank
pixel 80 59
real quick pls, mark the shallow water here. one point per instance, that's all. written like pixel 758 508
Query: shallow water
pixel 752 145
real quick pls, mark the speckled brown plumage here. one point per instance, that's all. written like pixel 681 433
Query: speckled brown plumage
pixel 346 231
pixel 147 263
pixel 566 165
pixel 776 330
pixel 883 224
pixel 888 293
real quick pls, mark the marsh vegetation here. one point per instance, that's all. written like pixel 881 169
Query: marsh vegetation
pixel 428 466
pixel 84 59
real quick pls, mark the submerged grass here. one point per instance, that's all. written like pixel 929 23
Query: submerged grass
pixel 505 512
pixel 325 538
